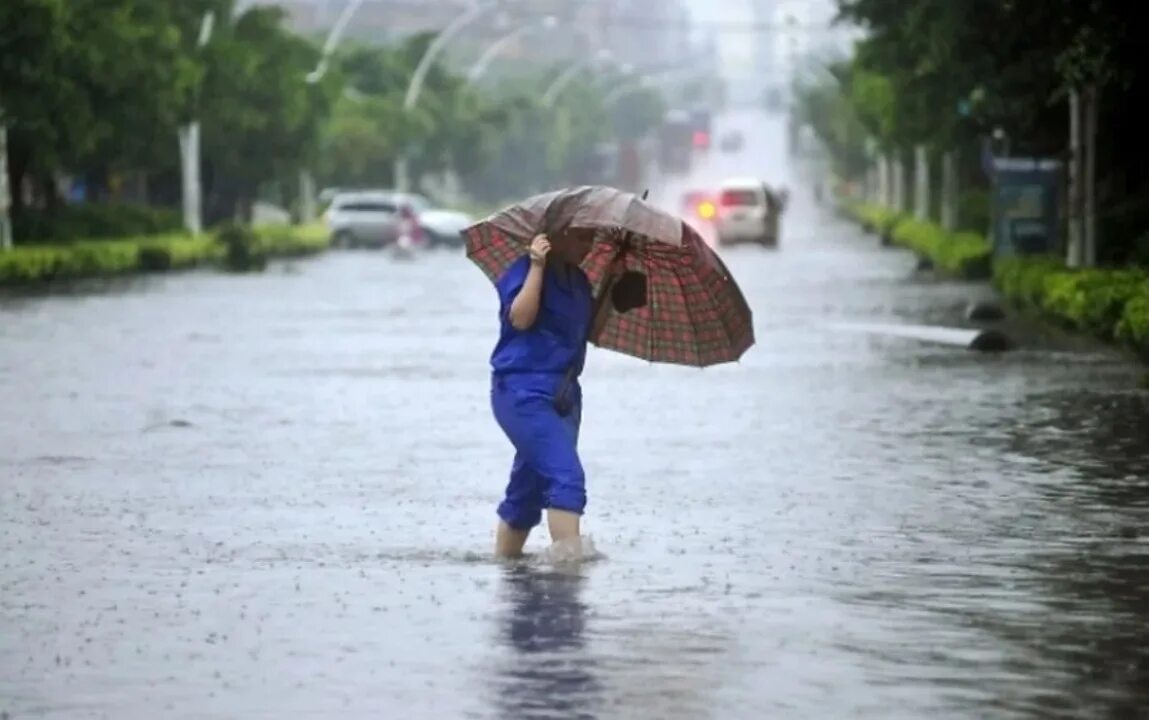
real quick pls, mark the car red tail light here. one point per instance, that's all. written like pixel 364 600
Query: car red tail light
pixel 737 198
pixel 701 138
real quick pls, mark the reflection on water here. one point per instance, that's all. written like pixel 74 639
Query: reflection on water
pixel 548 672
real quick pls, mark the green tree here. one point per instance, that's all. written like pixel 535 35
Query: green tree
pixel 261 120
pixel 88 83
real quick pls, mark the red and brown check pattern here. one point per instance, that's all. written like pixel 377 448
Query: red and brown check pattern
pixel 695 313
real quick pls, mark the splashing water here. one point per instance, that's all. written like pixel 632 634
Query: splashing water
pixel 569 552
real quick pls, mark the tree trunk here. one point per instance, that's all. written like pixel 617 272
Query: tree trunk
pixel 17 173
pixel 50 197
pixel 949 191
pixel 1089 191
pixel 921 183
pixel 1075 256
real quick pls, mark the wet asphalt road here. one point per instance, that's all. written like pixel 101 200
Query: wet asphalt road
pixel 273 496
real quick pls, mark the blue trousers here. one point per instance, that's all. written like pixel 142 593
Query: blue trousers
pixel 546 472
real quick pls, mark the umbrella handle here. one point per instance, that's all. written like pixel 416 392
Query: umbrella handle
pixel 562 404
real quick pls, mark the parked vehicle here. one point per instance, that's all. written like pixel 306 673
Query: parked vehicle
pixel 443 228
pixel 375 218
pixel 747 212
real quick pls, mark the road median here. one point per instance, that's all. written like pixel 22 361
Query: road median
pixel 44 263
pixel 1108 303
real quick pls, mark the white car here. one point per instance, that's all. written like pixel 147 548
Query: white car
pixel 374 218
pixel 444 228
pixel 746 213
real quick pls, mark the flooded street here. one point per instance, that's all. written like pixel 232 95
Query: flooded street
pixel 273 496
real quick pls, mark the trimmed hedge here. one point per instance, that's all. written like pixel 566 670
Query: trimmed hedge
pixel 967 255
pixel 963 254
pixel 293 240
pixel 32 264
pixel 1110 304
pixel 43 263
pixel 874 218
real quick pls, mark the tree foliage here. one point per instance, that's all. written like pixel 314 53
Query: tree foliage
pixel 497 137
pixel 99 89
pixel 948 73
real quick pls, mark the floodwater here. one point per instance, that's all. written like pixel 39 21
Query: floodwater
pixel 273 497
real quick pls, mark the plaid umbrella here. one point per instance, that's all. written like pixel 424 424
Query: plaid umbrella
pixel 695 313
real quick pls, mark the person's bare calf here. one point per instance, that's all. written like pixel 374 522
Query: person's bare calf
pixel 509 542
pixel 564 525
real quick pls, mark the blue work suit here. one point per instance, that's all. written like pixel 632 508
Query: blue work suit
pixel 528 369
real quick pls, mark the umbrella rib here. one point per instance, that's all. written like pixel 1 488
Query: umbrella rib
pixel 681 279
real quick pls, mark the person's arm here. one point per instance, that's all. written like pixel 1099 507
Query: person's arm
pixel 524 308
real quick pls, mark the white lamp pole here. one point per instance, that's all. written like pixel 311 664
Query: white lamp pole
pixel 566 77
pixel 432 53
pixel 306 179
pixel 493 50
pixel 190 149
pixel 625 89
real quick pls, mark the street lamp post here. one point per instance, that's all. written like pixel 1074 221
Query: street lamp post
pixel 306 179
pixel 551 94
pixel 333 39
pixel 625 89
pixel 415 86
pixel 190 149
pixel 480 66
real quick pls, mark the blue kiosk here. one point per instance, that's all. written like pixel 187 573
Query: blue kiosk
pixel 1025 205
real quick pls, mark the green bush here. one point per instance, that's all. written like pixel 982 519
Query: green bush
pixel 101 258
pixel 966 255
pixel 1022 279
pixel 243 249
pixel 874 218
pixel 176 252
pixel 1111 304
pixel 1133 327
pixel 1091 300
pixel 238 247
pixel 26 265
pixel 974 211
pixel 42 263
pixel 293 240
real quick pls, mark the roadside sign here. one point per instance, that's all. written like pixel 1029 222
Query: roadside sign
pixel 1025 206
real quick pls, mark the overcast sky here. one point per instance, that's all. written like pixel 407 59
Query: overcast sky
pixel 736 48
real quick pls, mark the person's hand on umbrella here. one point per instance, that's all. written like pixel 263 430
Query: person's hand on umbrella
pixel 638 254
pixel 539 249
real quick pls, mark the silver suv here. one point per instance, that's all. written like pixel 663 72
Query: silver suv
pixel 373 218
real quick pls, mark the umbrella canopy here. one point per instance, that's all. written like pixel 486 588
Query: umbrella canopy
pixel 695 313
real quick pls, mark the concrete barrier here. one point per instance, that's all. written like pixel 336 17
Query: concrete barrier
pixel 982 340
